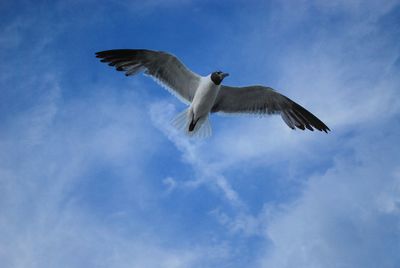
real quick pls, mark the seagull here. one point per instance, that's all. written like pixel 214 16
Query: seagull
pixel 205 94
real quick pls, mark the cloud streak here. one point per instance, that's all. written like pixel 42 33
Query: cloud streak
pixel 344 215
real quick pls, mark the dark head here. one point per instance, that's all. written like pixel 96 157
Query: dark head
pixel 218 76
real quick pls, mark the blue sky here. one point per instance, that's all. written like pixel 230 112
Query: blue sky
pixel 93 175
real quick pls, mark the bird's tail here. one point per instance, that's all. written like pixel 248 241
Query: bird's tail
pixel 200 129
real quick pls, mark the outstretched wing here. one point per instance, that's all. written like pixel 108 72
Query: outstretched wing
pixel 264 100
pixel 163 67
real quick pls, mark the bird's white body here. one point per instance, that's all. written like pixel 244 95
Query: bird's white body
pixel 198 112
pixel 204 98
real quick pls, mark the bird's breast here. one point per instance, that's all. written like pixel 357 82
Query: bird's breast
pixel 204 98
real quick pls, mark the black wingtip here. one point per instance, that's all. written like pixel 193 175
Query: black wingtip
pixel 100 54
pixel 309 118
pixel 107 53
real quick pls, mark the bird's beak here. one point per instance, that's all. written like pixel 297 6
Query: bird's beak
pixel 224 75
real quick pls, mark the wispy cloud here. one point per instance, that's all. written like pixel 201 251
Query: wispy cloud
pixel 45 216
pixel 192 153
pixel 348 217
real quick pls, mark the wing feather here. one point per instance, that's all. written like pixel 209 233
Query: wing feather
pixel 265 100
pixel 163 67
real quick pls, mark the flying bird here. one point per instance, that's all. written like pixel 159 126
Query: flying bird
pixel 206 94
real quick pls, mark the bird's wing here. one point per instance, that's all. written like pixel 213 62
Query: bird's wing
pixel 264 100
pixel 163 67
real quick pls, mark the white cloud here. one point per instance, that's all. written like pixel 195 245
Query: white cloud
pixel 348 217
pixel 193 152
pixel 47 153
pixel 73 239
pixel 44 221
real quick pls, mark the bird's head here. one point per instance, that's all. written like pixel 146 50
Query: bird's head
pixel 218 76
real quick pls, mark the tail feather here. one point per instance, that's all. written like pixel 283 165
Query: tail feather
pixel 181 121
pixel 204 129
pixel 200 129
